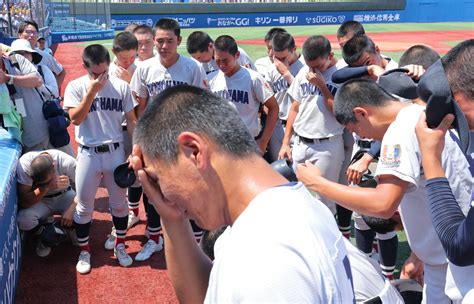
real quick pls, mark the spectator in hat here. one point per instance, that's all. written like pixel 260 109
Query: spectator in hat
pixel 29 30
pixel 36 135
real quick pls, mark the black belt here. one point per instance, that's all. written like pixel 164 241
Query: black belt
pixel 283 122
pixel 124 128
pixel 58 193
pixel 307 140
pixel 364 144
pixel 102 148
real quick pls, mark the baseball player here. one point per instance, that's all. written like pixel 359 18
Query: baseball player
pixel 245 88
pixel 125 47
pixel 201 47
pixel 150 78
pixel 96 103
pixel 280 74
pixel 318 136
pixel 45 187
pixel 144 35
pixel 363 107
pixel 262 64
pixel 358 51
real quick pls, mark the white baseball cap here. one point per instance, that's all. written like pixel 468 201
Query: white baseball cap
pixel 25 46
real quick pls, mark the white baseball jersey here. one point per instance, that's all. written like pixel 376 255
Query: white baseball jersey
pixel 304 263
pixel 113 67
pixel 49 61
pixel 151 77
pixel 314 120
pixel 247 90
pixel 369 282
pixel 401 157
pixel 391 65
pixel 243 60
pixel 262 64
pixel 280 86
pixel 64 164
pixel 103 123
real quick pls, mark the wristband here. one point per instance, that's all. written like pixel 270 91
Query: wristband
pixel 10 81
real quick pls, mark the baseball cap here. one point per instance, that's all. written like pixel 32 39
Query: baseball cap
pixel 397 82
pixel 124 176
pixel 24 45
pixel 283 166
pixel 433 88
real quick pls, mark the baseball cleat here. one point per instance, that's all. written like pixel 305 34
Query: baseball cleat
pixel 149 249
pixel 83 265
pixel 122 256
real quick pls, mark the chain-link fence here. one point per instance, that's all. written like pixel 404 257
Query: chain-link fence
pixel 14 12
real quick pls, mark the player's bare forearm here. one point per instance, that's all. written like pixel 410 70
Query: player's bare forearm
pixel 60 78
pixel 288 77
pixel 142 102
pixel 328 98
pixel 188 267
pixel 272 117
pixel 294 109
pixel 131 122
pixel 28 196
pixel 380 202
pixel 79 113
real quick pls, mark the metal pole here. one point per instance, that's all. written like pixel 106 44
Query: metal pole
pixel 9 19
pixel 31 11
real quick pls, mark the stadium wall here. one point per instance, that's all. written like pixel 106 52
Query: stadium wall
pixel 196 15
pixel 10 240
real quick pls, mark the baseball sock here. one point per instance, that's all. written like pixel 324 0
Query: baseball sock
pixel 196 230
pixel 134 194
pixel 154 233
pixel 344 221
pixel 388 256
pixel 375 244
pixel 120 224
pixel 82 233
pixel 364 240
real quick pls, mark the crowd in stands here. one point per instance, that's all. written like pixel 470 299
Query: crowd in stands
pixel 368 139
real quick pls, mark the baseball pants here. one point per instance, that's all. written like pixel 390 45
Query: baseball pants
pixel 91 167
pixel 31 217
pixel 327 155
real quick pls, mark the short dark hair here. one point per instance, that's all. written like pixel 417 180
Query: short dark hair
pixel 131 27
pixel 168 24
pixel 458 64
pixel 356 93
pixel 187 108
pixel 24 24
pixel 283 41
pixel 198 41
pixel 271 32
pixel 380 225
pixel 350 27
pixel 356 46
pixel 41 39
pixel 143 29
pixel 316 47
pixel 226 43
pixel 95 54
pixel 124 41
pixel 420 55
pixel 40 167
pixel 209 239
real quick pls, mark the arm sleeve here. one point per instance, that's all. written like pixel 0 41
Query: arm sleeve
pixel 453 229
pixel 347 73
pixel 374 150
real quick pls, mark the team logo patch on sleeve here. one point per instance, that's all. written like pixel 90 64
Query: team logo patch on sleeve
pixel 390 156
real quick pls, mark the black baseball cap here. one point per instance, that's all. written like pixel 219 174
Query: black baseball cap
pixel 124 176
pixel 433 88
pixel 397 82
